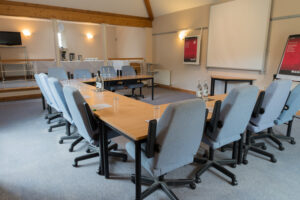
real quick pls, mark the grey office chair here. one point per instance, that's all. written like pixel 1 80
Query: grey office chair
pixel 53 103
pixel 291 107
pixel 272 104
pixel 45 95
pixel 82 73
pixel 132 84
pixel 57 72
pixel 110 72
pixel 171 145
pixel 87 124
pixel 57 91
pixel 227 125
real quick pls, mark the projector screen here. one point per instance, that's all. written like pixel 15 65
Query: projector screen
pixel 289 67
pixel 238 33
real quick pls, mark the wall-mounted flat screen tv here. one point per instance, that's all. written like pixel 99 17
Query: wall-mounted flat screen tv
pixel 10 38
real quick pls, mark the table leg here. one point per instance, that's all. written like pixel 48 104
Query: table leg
pixel 251 82
pixel 225 89
pixel 212 86
pixel 152 88
pixel 240 152
pixel 138 186
pixel 43 102
pixel 105 151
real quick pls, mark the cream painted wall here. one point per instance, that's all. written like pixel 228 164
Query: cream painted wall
pixel 132 42
pixel 78 43
pixel 41 42
pixel 168 48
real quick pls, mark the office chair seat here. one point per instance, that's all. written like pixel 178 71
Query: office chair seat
pixel 135 85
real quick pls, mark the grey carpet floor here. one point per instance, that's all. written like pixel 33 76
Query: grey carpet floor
pixel 33 166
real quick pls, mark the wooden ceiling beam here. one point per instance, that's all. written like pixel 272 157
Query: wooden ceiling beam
pixel 10 8
pixel 149 9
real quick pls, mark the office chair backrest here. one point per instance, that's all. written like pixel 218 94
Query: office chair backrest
pixel 275 98
pixel 38 82
pixel 75 103
pixel 57 72
pixel 45 84
pixel 179 134
pixel 292 106
pixel 108 71
pixel 82 73
pixel 57 91
pixel 235 113
pixel 128 71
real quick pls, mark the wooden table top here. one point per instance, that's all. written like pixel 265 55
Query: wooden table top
pixel 232 78
pixel 128 115
pixel 118 78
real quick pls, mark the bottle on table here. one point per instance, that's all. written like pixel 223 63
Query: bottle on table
pixel 199 90
pixel 98 83
pixel 102 83
pixel 205 90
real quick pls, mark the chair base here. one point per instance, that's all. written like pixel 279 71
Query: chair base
pixel 270 135
pixel 251 146
pixel 217 165
pixel 288 133
pixel 77 141
pixel 59 124
pixel 53 116
pixel 163 184
pixel 133 95
pixel 95 153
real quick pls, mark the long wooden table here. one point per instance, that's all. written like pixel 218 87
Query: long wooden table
pixel 126 78
pixel 227 79
pixel 126 116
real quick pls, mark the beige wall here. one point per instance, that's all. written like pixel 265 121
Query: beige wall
pixel 41 42
pixel 132 42
pixel 77 42
pixel 168 48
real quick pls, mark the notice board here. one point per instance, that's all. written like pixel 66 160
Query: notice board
pixel 192 50
pixel 289 67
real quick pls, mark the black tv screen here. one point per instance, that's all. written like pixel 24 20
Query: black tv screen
pixel 10 38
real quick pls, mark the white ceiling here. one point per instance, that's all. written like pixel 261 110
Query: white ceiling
pixel 127 7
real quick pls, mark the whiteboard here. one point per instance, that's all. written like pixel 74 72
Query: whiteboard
pixel 238 34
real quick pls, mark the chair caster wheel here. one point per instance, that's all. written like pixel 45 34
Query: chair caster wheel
pixel 115 148
pixel 233 165
pixel 132 178
pixel 293 142
pixel 48 122
pixel 193 186
pixel 88 151
pixel 222 150
pixel 50 130
pixel 273 160
pixel 124 158
pixel 281 148
pixel 197 180
pixel 60 141
pixel 264 147
pixel 70 150
pixel 234 182
pixel 75 164
pixel 245 162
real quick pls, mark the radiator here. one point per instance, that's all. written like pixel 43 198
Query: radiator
pixel 162 76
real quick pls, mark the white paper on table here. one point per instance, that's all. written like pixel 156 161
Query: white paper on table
pixel 86 96
pixel 100 106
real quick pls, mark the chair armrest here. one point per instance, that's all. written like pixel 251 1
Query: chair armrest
pixel 151 146
pixel 93 123
pixel 215 122
pixel 258 105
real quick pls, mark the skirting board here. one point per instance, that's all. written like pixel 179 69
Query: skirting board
pixel 177 89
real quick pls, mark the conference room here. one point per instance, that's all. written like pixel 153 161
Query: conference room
pixel 149 99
